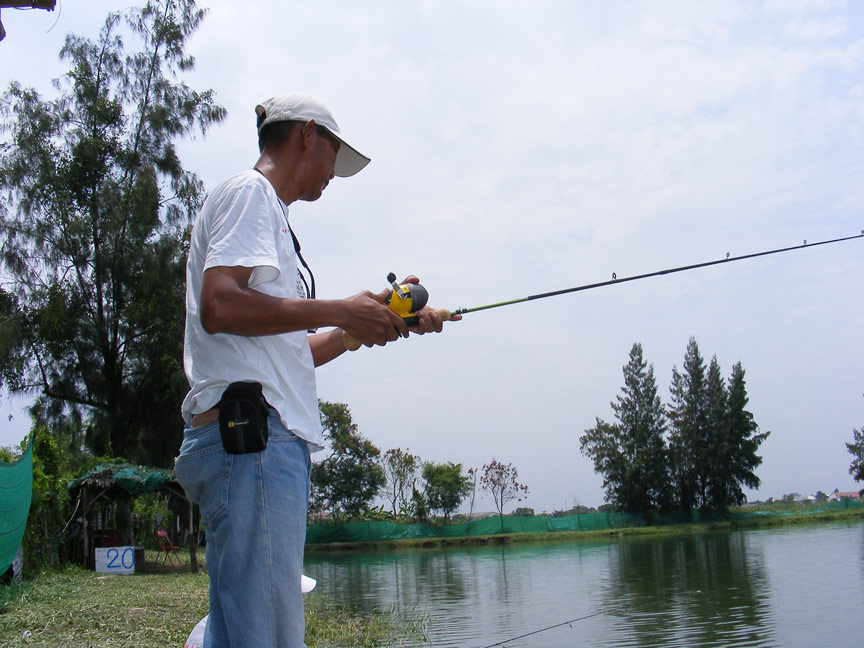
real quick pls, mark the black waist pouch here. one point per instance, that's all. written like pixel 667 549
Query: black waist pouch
pixel 243 418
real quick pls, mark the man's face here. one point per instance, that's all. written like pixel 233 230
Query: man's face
pixel 322 163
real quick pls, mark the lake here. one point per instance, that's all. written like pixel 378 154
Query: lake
pixel 788 586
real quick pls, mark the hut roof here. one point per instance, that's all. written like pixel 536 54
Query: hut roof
pixel 133 479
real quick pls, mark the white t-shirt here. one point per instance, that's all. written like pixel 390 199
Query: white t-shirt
pixel 243 223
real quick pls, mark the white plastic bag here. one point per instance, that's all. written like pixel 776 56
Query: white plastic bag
pixel 307 584
pixel 196 637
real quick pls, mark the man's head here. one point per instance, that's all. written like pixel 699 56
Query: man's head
pixel 278 116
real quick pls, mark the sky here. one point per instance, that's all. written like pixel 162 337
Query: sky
pixel 519 148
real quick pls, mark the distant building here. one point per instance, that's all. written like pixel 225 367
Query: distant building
pixel 749 504
pixel 836 496
pixel 319 517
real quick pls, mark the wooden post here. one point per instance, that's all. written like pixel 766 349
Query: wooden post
pixel 84 511
pixel 193 539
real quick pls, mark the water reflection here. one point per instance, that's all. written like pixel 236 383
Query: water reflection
pixel 861 555
pixel 715 589
pixel 374 581
pixel 704 590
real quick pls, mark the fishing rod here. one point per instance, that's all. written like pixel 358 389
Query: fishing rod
pixel 406 299
pixel 446 314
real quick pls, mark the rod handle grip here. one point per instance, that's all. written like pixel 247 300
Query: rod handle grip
pixel 352 344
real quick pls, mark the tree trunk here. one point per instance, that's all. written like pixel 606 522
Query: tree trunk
pixel 124 522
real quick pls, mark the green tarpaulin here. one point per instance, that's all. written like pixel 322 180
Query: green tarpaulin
pixel 135 480
pixel 16 488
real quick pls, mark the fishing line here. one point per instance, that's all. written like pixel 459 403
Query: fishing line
pixel 618 280
pixel 587 616
pixel 557 625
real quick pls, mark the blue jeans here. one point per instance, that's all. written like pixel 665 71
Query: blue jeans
pixel 254 508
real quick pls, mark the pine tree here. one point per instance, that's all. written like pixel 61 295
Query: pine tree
pixel 631 454
pixel 687 414
pixel 742 442
pixel 856 449
pixel 603 444
pixel 714 438
pixel 95 206
pixel 715 449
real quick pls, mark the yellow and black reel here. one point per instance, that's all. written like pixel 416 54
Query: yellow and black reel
pixel 406 299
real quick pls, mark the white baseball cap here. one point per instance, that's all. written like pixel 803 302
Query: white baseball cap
pixel 296 106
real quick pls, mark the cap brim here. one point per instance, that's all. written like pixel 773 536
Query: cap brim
pixel 348 160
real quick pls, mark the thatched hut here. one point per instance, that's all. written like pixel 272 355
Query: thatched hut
pixel 105 493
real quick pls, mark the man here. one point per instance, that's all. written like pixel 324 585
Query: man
pixel 248 312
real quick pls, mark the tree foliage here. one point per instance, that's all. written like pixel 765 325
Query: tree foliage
pixel 856 449
pixel 714 438
pixel 472 475
pixel 739 442
pixel 688 415
pixel 346 482
pixel 501 482
pixel 446 486
pixel 400 468
pixel 712 444
pixel 715 460
pixel 95 205
pixel 631 454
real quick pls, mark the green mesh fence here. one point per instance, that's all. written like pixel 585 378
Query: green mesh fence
pixel 378 531
pixel 841 505
pixel 16 487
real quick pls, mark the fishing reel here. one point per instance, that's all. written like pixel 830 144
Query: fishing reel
pixel 406 299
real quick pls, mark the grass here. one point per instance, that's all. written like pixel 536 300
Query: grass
pixel 328 625
pixel 77 608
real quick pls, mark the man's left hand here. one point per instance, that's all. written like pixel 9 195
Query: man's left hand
pixel 428 321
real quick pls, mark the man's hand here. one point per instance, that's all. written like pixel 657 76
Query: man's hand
pixel 429 321
pixel 380 332
pixel 370 322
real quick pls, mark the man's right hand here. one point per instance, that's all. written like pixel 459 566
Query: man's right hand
pixel 370 322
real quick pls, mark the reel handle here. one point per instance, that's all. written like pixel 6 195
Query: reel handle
pixel 352 344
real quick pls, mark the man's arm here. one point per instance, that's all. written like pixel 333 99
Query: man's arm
pixel 326 346
pixel 228 305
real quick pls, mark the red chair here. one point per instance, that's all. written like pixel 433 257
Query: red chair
pixel 169 548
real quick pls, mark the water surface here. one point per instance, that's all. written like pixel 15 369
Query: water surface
pixel 793 586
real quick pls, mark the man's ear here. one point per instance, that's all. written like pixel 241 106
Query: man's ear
pixel 308 133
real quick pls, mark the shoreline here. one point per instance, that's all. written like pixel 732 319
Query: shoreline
pixel 753 521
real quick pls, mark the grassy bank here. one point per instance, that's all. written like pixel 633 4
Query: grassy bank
pixel 777 515
pixel 75 608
